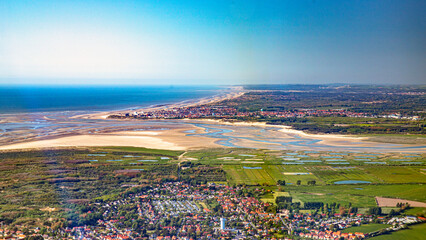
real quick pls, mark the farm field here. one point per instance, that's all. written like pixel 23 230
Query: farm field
pixel 323 175
pixel 361 195
pixel 237 174
pixel 366 228
pixel 329 175
pixel 396 174
pixel 390 202
pixel 414 232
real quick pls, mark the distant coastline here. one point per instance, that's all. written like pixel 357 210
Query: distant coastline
pixel 225 94
pixel 36 99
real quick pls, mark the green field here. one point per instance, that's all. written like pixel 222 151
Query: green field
pixel 366 228
pixel 396 174
pixel 146 151
pixel 358 195
pixel 238 175
pixel 415 232
pixel 416 211
pixel 321 174
pixel 330 175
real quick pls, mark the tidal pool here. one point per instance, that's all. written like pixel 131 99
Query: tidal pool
pixel 310 161
pixel 351 182
pixel 246 155
pixel 252 167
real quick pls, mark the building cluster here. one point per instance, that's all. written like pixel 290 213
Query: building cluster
pixel 230 112
pixel 184 112
pixel 226 112
pixel 176 210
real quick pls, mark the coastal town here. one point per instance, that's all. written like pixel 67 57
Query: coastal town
pixel 176 210
pixel 224 112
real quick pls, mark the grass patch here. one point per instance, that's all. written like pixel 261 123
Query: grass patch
pixel 144 150
pixel 416 211
pixel 357 195
pixel 366 228
pixel 414 232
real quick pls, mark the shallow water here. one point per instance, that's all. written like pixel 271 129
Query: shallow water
pixel 252 167
pixel 351 182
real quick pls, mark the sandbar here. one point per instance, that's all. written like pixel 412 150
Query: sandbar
pixel 173 139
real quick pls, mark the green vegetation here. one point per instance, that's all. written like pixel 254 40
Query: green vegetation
pixel 39 185
pixel 369 102
pixel 361 195
pixel 414 232
pixel 366 228
pixel 353 125
pixel 145 151
pixel 416 211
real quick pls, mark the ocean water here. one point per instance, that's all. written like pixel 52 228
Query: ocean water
pixel 23 99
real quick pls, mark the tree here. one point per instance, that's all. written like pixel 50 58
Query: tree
pixel 281 182
pixel 283 199
pixel 312 182
pixel 34 238
pixel 375 211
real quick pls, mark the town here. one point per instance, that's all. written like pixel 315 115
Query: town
pixel 177 210
pixel 217 111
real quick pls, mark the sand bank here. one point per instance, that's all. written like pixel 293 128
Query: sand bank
pixel 173 139
pixel 97 140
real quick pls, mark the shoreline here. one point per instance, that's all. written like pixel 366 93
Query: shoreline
pixel 231 93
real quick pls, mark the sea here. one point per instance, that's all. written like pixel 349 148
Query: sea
pixel 28 99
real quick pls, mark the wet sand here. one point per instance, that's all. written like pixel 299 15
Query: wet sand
pixel 172 139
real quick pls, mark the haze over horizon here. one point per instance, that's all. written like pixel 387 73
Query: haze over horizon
pixel 212 42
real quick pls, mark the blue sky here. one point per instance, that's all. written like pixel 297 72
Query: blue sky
pixel 212 42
